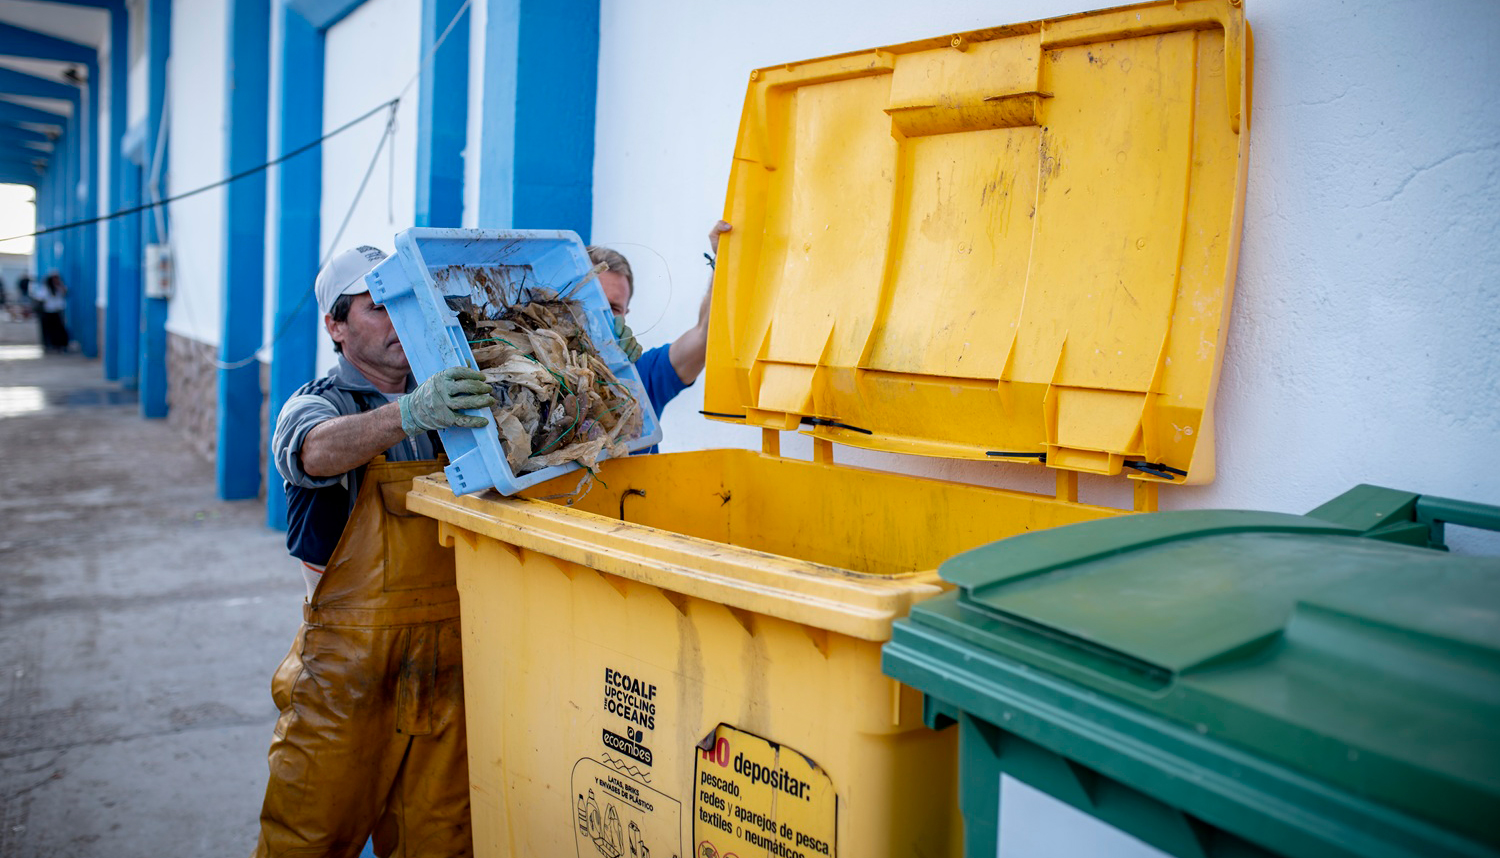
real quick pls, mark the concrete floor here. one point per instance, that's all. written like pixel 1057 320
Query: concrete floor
pixel 140 622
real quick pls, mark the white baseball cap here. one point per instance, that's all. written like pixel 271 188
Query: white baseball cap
pixel 345 275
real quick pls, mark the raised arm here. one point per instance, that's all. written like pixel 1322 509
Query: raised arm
pixel 308 439
pixel 689 351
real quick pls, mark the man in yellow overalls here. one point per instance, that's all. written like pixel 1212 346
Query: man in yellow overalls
pixel 370 742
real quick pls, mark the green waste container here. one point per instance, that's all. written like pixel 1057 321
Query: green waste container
pixel 1220 683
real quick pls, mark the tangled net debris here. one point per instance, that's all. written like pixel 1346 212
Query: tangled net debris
pixel 556 400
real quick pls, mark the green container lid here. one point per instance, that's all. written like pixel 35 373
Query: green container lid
pixel 1308 683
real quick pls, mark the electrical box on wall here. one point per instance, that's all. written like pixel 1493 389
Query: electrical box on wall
pixel 158 271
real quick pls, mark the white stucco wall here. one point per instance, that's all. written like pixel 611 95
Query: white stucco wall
pixel 474 133
pixel 135 101
pixel 369 57
pixel 196 133
pixel 1364 344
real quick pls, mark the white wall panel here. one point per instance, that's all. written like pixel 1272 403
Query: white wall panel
pixel 273 148
pixel 369 58
pixel 196 136
pixel 477 14
pixel 135 102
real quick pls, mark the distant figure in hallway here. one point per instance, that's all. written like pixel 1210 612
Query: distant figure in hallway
pixel 20 309
pixel 52 298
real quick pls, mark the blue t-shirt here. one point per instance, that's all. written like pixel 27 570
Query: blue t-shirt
pixel 660 379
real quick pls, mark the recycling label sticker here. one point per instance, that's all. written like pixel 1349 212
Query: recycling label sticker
pixel 619 814
pixel 621 817
pixel 753 797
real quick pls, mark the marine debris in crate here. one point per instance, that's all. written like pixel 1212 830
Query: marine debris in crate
pixel 556 399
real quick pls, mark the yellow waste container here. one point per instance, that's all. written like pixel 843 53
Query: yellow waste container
pixel 1013 244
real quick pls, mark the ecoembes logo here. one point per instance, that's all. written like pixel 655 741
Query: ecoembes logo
pixel 629 745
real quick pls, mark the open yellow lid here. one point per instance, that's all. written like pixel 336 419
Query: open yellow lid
pixel 1015 243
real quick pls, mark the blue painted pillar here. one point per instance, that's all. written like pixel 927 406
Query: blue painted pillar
pixel 69 263
pixel 537 149
pixel 443 118
pixel 128 315
pixel 43 213
pixel 247 88
pixel 153 377
pixel 88 278
pixel 61 166
pixel 48 243
pixel 59 244
pixel 79 289
pixel 123 284
pixel 66 263
pixel 299 184
pixel 80 263
pixel 43 206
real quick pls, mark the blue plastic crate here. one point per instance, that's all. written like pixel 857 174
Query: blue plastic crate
pixel 414 294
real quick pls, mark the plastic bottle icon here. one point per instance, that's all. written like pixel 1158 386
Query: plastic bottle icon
pixel 595 821
pixel 637 845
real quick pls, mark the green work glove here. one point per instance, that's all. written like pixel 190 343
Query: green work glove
pixel 436 402
pixel 626 338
